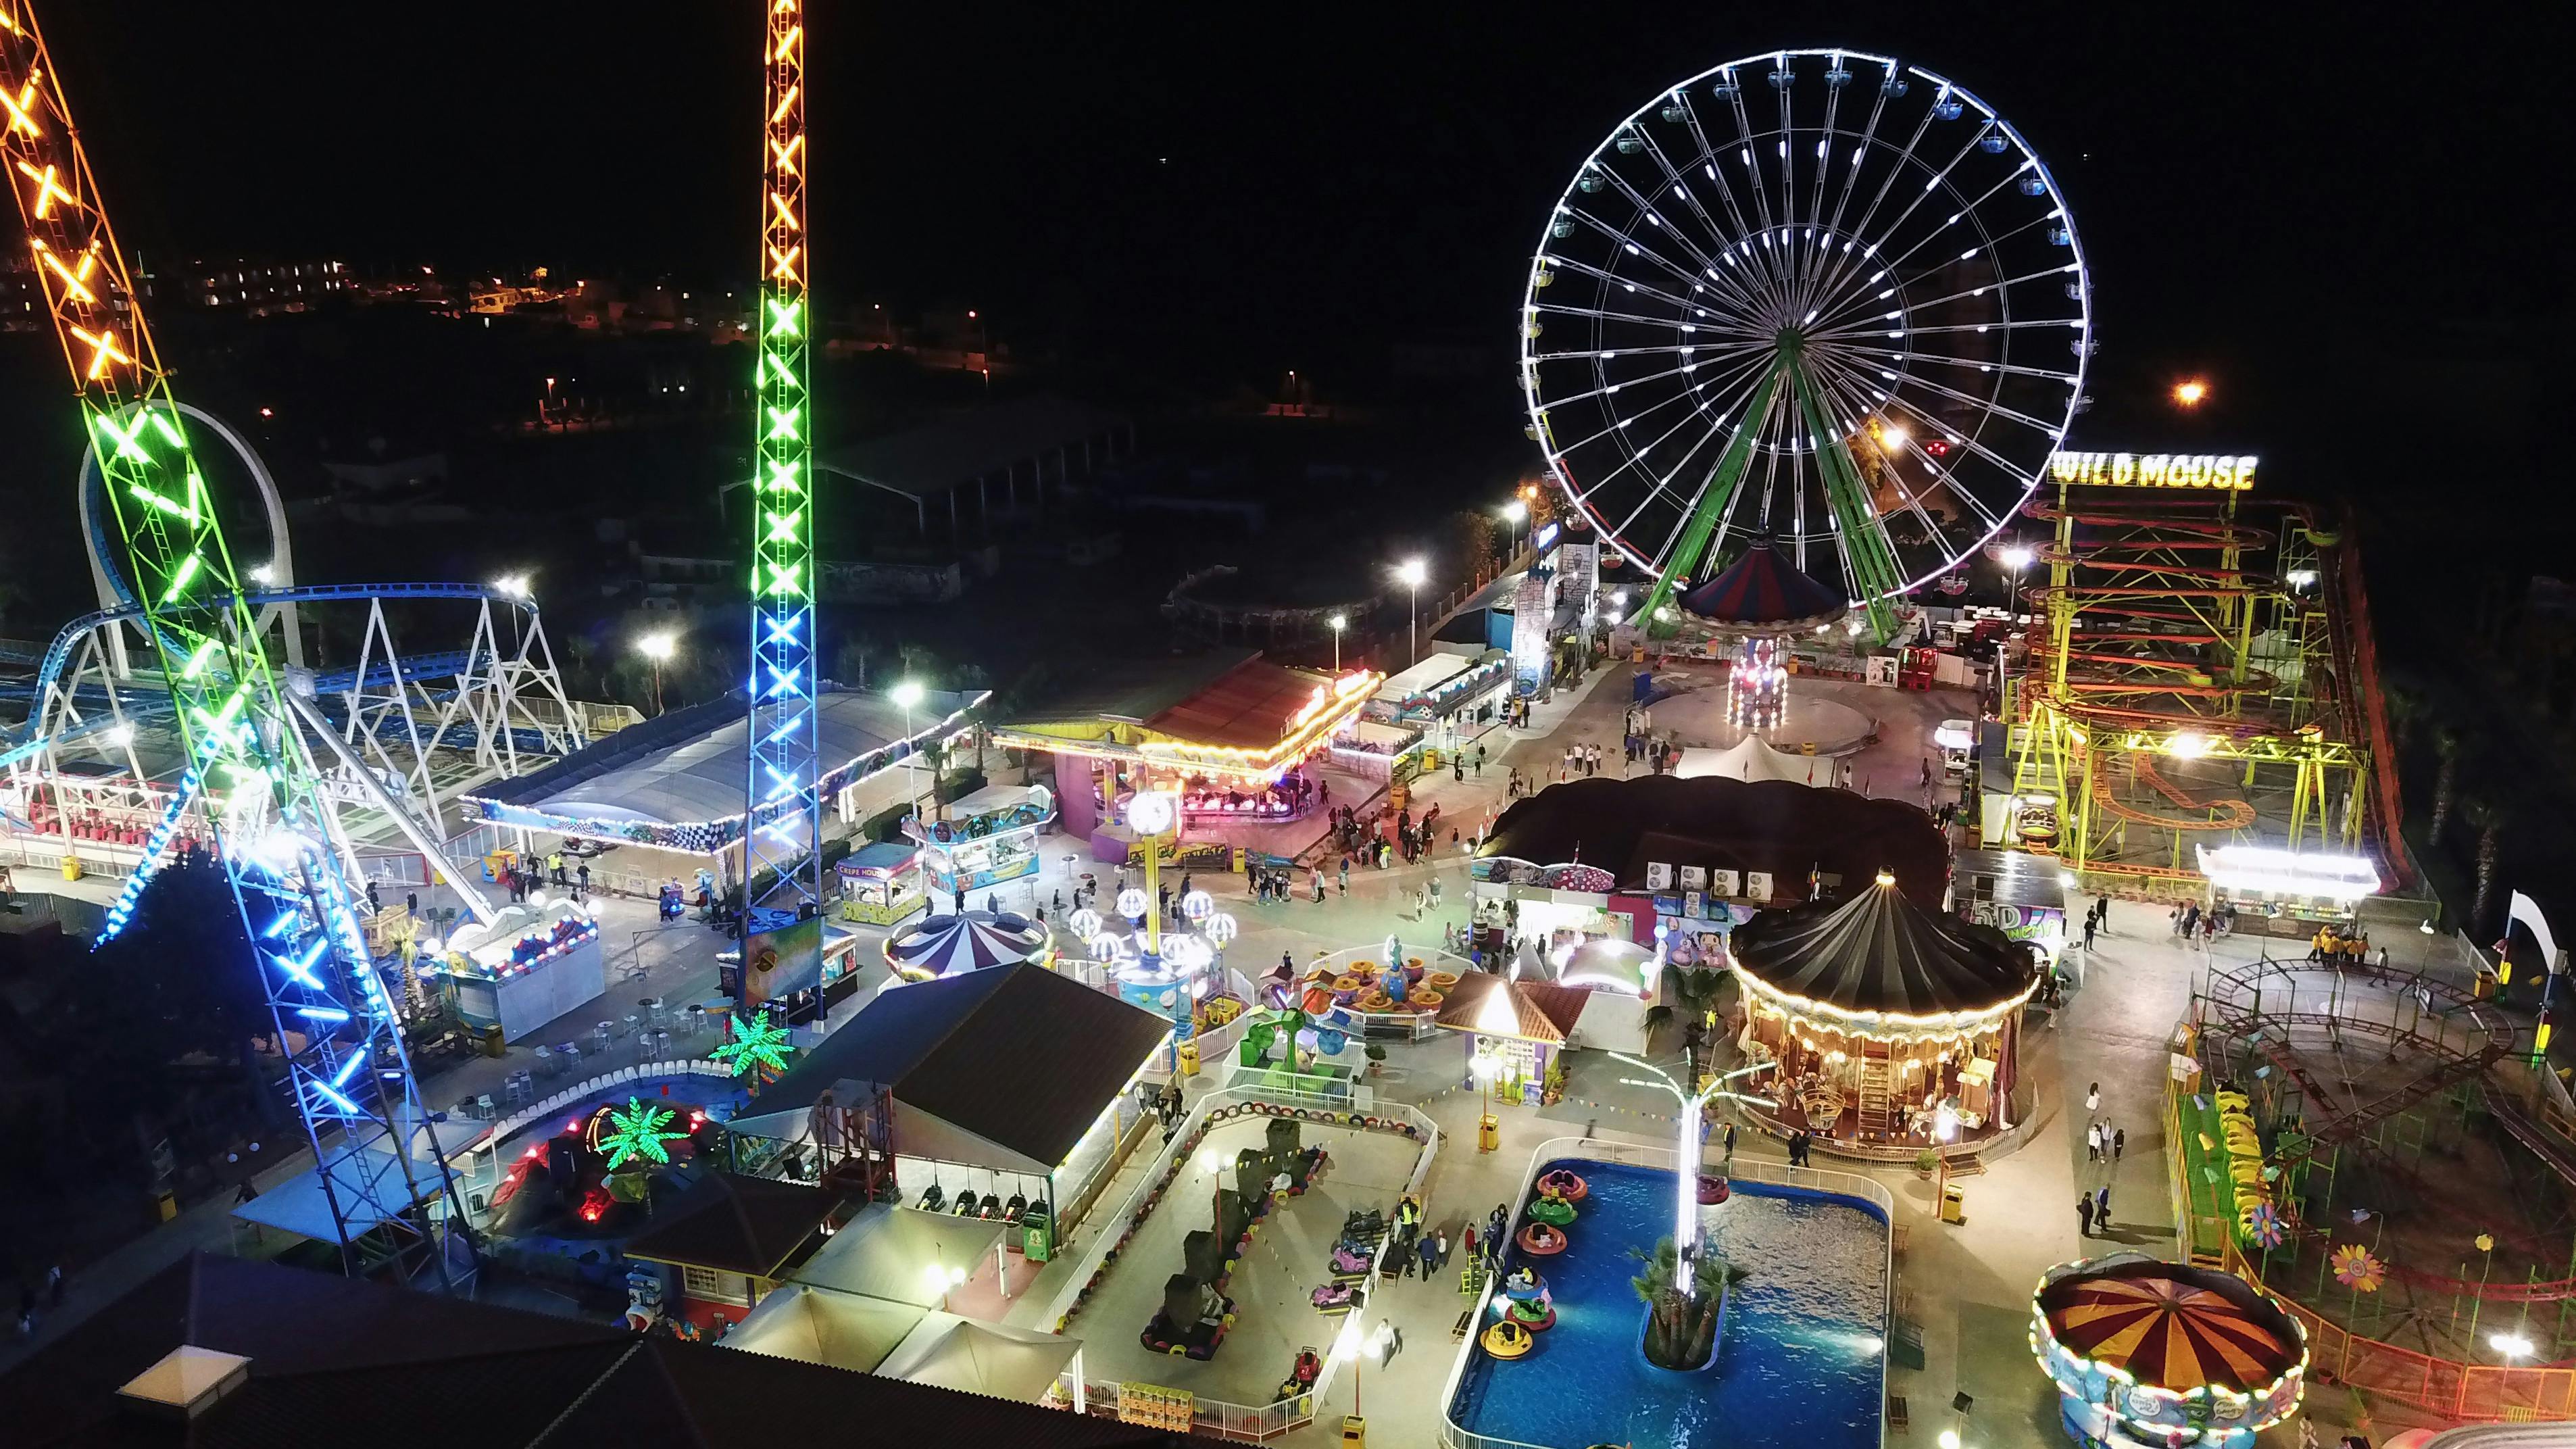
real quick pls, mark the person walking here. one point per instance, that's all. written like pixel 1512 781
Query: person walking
pixel 1394 1337
pixel 1430 1255
pixel 1440 1250
pixel 554 862
pixel 2090 923
pixel 2084 1212
pixel 2093 1098
pixel 2093 1142
pixel 1342 878
pixel 1480 762
pixel 581 891
pixel 2102 909
pixel 2102 1207
pixel 55 1286
pixel 1730 1142
pixel 2119 1140
pixel 1467 1240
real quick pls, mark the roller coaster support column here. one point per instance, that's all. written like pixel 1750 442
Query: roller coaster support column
pixel 351 1080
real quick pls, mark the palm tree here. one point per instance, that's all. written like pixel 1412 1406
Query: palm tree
pixel 1683 1328
pixel 1687 995
pixel 2488 817
pixel 2446 780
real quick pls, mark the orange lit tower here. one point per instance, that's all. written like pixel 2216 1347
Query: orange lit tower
pixel 247 762
pixel 784 812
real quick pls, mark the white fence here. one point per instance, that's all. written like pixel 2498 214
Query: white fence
pixel 1214 1416
pixel 1605 1150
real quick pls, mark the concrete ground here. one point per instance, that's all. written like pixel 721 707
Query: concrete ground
pixel 1271 1286
pixel 1968 1287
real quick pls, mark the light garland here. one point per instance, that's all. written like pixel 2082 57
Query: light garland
pixel 1878 1025
pixel 2136 1405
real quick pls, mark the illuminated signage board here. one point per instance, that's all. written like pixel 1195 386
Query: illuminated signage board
pixel 1545 539
pixel 2226 471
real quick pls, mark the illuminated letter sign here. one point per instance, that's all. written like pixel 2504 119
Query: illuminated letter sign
pixel 2230 472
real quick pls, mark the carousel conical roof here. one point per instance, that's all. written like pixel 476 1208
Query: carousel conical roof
pixel 975 941
pixel 2172 1326
pixel 1763 590
pixel 1879 952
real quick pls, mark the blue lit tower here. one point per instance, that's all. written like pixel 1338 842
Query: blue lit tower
pixel 783 826
pixel 247 765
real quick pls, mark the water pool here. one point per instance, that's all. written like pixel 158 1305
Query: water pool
pixel 1799 1366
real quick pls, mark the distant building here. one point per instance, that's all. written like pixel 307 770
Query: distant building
pixel 256 289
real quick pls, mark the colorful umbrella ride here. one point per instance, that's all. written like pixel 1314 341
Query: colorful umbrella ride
pixel 2141 1349
pixel 949 945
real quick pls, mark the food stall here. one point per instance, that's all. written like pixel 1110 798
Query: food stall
pixel 985 839
pixel 2286 892
pixel 532 964
pixel 881 883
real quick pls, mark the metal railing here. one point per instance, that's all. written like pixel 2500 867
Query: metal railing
pixel 1216 1416
pixel 1604 1149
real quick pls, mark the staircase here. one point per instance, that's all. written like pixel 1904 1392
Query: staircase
pixel 1877 1110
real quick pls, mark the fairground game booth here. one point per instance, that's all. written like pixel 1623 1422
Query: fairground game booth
pixel 1239 739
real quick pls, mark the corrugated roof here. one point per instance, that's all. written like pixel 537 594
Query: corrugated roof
pixel 733 1224
pixel 1017 1056
pixel 1542 1010
pixel 1248 708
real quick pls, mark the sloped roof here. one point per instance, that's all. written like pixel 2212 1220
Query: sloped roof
pixel 1880 953
pixel 336 1361
pixel 1249 707
pixel 883 1251
pixel 1541 1010
pixel 817 1325
pixel 981 1358
pixel 734 1224
pixel 1018 1057
pixel 1771 825
pixel 1763 590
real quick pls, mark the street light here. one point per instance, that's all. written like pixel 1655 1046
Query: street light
pixel 1337 622
pixel 658 646
pixel 2191 392
pixel 906 693
pixel 1686 1163
pixel 1411 573
pixel 1516 513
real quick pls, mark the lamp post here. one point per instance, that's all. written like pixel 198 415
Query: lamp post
pixel 907 693
pixel 1337 622
pixel 1686 1165
pixel 2015 557
pixel 1945 1130
pixel 1353 1348
pixel 1411 573
pixel 658 646
pixel 1516 513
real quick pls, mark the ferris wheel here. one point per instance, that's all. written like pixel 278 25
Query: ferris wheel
pixel 1813 295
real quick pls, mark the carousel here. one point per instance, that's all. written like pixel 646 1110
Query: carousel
pixel 1879 1023
pixel 2147 1354
pixel 1755 605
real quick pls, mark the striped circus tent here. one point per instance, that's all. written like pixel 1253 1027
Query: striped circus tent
pixel 977 940
pixel 1764 593
pixel 2174 1327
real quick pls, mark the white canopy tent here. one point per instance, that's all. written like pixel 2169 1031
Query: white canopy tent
pixel 897 1253
pixel 1750 758
pixel 983 1358
pixel 816 1325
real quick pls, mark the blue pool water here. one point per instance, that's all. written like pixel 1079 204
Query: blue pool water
pixel 1798 1366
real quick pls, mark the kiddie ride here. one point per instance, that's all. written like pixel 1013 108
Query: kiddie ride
pixel 596 1179
pixel 1196 1311
pixel 1526 1311
pixel 1354 1258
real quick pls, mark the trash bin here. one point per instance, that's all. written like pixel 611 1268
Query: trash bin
pixel 1037 1235
pixel 71 867
pixel 1954 1203
pixel 1188 1056
pixel 492 1040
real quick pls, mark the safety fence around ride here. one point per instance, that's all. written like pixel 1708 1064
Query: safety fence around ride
pixel 1249 1422
pixel 2486 1393
pixel 1603 1149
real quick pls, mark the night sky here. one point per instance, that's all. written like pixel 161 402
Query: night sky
pixel 2314 210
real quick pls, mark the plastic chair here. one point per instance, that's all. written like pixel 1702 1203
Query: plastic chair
pixel 483 1107
pixel 569 1056
pixel 548 1065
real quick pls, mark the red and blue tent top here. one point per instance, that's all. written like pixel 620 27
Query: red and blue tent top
pixel 1764 591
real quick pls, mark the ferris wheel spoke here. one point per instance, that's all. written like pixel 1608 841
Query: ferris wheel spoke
pixel 1683 348
pixel 1869 214
pixel 1912 496
pixel 1719 233
pixel 1610 279
pixel 2011 369
pixel 1997 285
pixel 2025 476
pixel 1620 242
pixel 1938 181
pixel 1727 238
